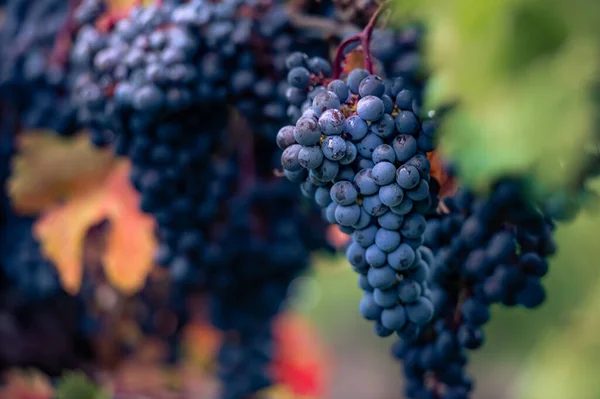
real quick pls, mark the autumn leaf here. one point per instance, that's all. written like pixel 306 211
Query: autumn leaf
pixel 448 183
pixel 49 168
pixel 26 384
pixel 353 60
pixel 300 360
pixel 130 237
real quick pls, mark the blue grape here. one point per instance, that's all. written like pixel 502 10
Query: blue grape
pixel 371 85
pixel 340 89
pixel 407 177
pixel 327 171
pixel 402 257
pixel 384 127
pixel 407 123
pixel 420 192
pixel 356 127
pixel 532 294
pixel 470 337
pixel 351 153
pixel 368 144
pixel 325 100
pixel 384 152
pixel 365 183
pixel 322 197
pixel 345 174
pixel 299 77
pixel 390 221
pixel 413 226
pixel 319 66
pixel 363 221
pixel 420 312
pixel 330 213
pixel 388 104
pixel 355 77
pixel 289 158
pixel 295 97
pixel 405 147
pixel 475 311
pixel 375 256
pixel 364 163
pixel 373 205
pixel 356 255
pixel 368 307
pixel 347 215
pixel 385 298
pixel 307 131
pixel 501 246
pixel 343 193
pixel 394 318
pixel 310 157
pixel 391 195
pixel 383 173
pixel 422 164
pixel 298 176
pixel 285 137
pixel 363 283
pixel 365 237
pixel 382 277
pixel 334 148
pixel 370 108
pixel 387 240
pixel 409 291
pixel 404 100
pixel 332 122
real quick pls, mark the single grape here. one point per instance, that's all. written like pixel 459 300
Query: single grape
pixel 289 158
pixel 384 127
pixel 375 256
pixel 385 298
pixel 356 127
pixel 368 307
pixel 409 291
pixel 390 221
pixel 384 152
pixel 402 257
pixel 371 86
pixel 407 123
pixel 340 89
pixel 420 312
pixel 299 77
pixel 365 237
pixel 394 318
pixel 413 226
pixel 420 192
pixel 322 197
pixel 365 183
pixel 355 77
pixel 347 215
pixel 285 137
pixel 356 255
pixel 334 148
pixel 405 147
pixel 351 154
pixel 407 177
pixel 343 193
pixel 310 157
pixel 373 205
pixel 370 108
pixel 307 131
pixel 332 122
pixel 387 240
pixel 404 100
pixel 367 145
pixel 325 100
pixel 382 277
pixel 391 195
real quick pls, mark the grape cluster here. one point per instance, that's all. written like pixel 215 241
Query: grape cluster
pixel 487 250
pixel 34 76
pixel 161 86
pixel 359 150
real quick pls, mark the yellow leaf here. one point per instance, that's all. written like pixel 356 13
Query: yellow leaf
pixel 130 240
pixel 49 168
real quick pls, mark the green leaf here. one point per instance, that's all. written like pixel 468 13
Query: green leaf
pixel 76 385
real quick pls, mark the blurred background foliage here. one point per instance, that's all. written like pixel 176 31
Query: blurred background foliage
pixel 523 74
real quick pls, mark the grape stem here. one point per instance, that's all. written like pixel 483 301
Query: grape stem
pixel 364 37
